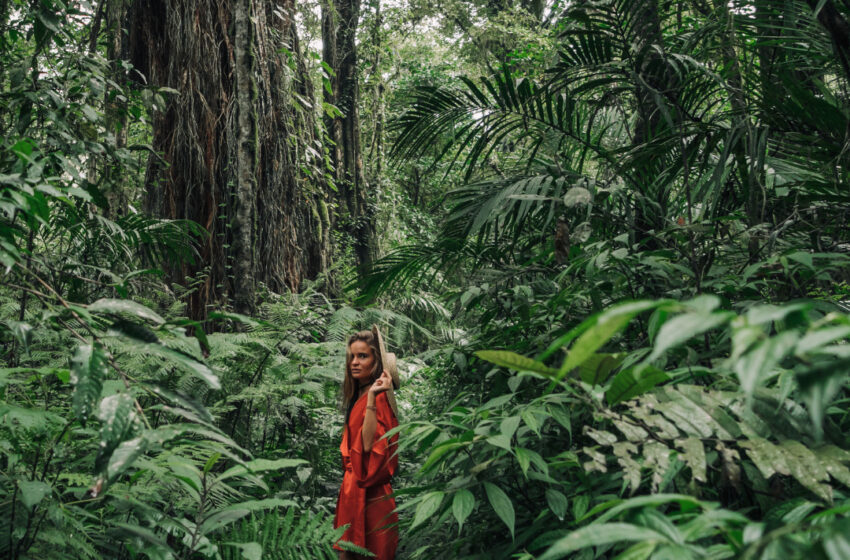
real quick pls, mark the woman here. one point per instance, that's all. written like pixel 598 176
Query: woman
pixel 369 459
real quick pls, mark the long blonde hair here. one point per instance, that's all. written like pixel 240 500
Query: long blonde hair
pixel 350 387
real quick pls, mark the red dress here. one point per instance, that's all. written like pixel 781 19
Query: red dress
pixel 365 499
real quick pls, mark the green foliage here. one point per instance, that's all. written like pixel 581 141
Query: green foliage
pixel 284 536
pixel 643 300
pixel 616 274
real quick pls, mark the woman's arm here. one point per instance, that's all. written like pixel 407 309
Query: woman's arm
pixel 370 420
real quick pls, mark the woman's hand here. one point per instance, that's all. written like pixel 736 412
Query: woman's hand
pixel 370 421
pixel 382 384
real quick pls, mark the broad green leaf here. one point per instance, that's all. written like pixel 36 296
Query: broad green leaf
pixel 427 507
pixel 462 505
pixel 598 367
pixel 501 504
pixel 764 314
pixel 187 362
pixel 835 459
pixel 118 422
pixel 598 535
pixel 63 375
pixel 836 542
pixel 766 456
pixel 260 465
pixel 134 332
pixel 88 370
pixel 438 453
pixel 557 503
pixel 220 519
pixel 179 399
pixel 123 456
pixel 516 362
pixel 633 382
pixel 616 507
pixel 500 440
pixel 607 324
pixel 118 306
pixel 755 366
pixel 186 472
pixel 530 418
pixel 496 402
pixel 806 468
pixel 818 338
pixel 523 457
pixel 703 304
pixel 819 385
pixel 682 328
pixel 580 505
pixel 509 425
pixel 638 551
pixel 211 462
pixel 147 342
pixel 635 307
pixel 22 333
pixel 32 492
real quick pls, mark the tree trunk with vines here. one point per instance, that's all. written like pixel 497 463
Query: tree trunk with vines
pixel 227 157
pixel 339 31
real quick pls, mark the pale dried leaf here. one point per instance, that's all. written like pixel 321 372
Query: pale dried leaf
pixel 694 456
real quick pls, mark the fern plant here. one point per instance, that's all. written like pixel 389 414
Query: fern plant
pixel 286 536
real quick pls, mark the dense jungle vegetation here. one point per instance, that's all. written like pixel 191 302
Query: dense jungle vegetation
pixel 608 240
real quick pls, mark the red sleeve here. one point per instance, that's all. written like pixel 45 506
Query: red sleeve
pixel 376 467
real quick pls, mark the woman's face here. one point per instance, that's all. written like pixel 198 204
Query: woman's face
pixel 362 361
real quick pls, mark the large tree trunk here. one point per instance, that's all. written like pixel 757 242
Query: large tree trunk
pixel 227 143
pixel 330 58
pixel 118 194
pixel 339 33
pixel 246 161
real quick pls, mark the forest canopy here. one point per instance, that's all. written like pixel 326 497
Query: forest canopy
pixel 607 239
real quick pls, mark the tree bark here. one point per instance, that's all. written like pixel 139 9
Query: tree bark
pixel 246 160
pixel 228 157
pixel 116 194
pixel 330 93
pixel 838 28
pixel 340 31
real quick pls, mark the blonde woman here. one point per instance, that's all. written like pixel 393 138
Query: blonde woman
pixel 369 459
